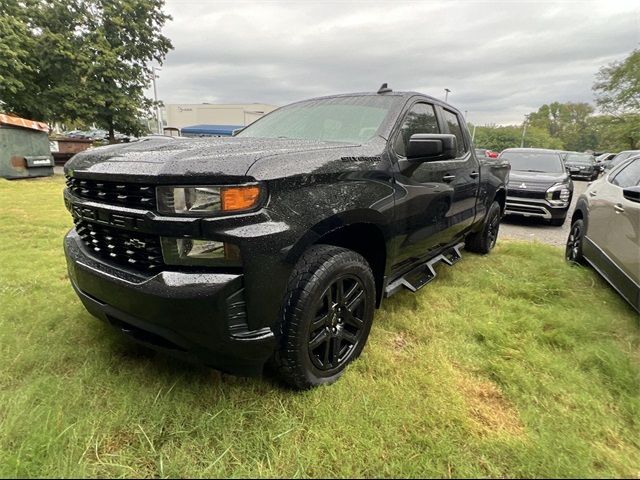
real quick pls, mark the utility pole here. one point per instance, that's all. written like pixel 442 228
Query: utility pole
pixel 446 95
pixel 155 97
pixel 524 131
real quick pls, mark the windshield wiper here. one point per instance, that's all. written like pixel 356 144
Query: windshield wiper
pixel 536 171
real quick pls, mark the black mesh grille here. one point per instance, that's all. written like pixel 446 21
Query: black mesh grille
pixel 540 194
pixel 128 194
pixel 132 249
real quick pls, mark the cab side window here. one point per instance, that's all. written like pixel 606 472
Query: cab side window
pixel 453 124
pixel 629 176
pixel 421 118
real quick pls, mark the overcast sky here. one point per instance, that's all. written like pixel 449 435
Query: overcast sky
pixel 500 60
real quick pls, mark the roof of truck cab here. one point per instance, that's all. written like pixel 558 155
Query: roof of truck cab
pixel 406 95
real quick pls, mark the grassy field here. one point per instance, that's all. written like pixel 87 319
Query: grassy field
pixel 513 364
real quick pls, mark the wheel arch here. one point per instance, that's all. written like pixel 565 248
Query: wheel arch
pixel 361 232
pixel 366 239
pixel 501 198
pixel 580 213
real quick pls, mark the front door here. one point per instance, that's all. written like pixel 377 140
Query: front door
pixel 622 243
pixel 434 201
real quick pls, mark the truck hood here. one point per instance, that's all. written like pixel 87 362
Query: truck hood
pixel 547 178
pixel 167 159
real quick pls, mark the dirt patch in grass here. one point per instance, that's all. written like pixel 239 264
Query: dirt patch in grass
pixel 488 408
pixel 119 440
pixel 400 341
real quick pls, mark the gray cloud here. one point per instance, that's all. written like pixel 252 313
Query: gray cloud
pixel 500 59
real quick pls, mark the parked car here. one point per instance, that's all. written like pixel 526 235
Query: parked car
pixel 603 157
pixel 539 184
pixel 581 165
pixel 280 242
pixel 483 152
pixel 619 158
pixel 605 229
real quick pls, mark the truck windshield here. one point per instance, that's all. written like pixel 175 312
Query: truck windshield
pixel 354 119
pixel 534 162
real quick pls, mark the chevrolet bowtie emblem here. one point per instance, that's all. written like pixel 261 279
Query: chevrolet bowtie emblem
pixel 134 242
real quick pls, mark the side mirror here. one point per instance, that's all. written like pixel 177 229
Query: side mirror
pixel 430 147
pixel 632 194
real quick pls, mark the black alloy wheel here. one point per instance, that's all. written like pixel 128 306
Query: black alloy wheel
pixel 573 251
pixel 337 328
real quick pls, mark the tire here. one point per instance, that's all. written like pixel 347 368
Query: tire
pixel 323 330
pixel 557 222
pixel 484 240
pixel 573 249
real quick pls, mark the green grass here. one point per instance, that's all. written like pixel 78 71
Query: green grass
pixel 513 364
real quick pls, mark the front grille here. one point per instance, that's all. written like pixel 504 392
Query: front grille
pixel 540 194
pixel 134 250
pixel 128 194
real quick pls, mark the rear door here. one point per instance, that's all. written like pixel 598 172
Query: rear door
pixel 467 174
pixel 434 200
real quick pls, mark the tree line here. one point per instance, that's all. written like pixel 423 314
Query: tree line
pixel 577 126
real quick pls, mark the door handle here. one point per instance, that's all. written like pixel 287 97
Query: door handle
pixel 448 178
pixel 474 174
pixel 618 208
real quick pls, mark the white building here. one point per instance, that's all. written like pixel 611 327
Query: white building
pixel 184 115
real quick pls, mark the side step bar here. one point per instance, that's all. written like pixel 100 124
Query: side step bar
pixel 422 274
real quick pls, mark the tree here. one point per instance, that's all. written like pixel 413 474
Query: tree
pixel 500 137
pixel 124 40
pixel 616 133
pixel 81 60
pixel 14 49
pixel 41 77
pixel 567 122
pixel 617 86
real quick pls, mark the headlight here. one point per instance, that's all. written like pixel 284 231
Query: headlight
pixel 192 251
pixel 558 194
pixel 208 200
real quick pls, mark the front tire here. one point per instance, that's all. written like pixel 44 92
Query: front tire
pixel 573 250
pixel 326 318
pixel 484 240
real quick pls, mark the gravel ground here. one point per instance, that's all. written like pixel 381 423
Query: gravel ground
pixel 533 229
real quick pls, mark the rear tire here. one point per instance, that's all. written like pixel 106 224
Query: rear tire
pixel 484 240
pixel 326 318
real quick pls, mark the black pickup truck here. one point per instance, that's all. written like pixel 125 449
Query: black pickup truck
pixel 276 245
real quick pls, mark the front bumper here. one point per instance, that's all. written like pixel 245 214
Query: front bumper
pixel 195 316
pixel 534 207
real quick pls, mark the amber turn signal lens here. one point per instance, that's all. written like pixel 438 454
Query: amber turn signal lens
pixel 235 199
